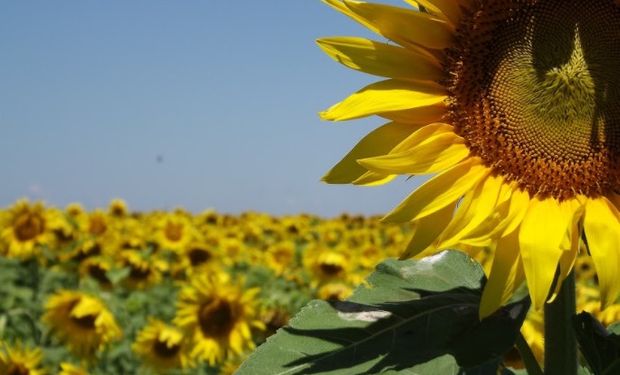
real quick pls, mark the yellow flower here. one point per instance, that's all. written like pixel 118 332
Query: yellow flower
pixel 80 321
pixel 118 208
pixel 280 257
pixel 512 106
pixel 162 347
pixel 334 291
pixel 219 316
pixel 97 268
pixel 327 264
pixel 17 360
pixel 67 368
pixel 174 232
pixel 144 270
pixel 25 227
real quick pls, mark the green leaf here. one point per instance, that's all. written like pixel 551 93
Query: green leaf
pixel 116 275
pixel 413 317
pixel 600 347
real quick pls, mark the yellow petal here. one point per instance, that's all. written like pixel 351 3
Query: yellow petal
pixel 420 115
pixel 373 179
pixel 385 96
pixel 439 192
pixel 423 134
pixel 505 277
pixel 378 142
pixel 602 227
pixel 477 208
pixel 381 59
pixel 447 9
pixel 426 230
pixel 542 235
pixel 434 155
pixel 406 27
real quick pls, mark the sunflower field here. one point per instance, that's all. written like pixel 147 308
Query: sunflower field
pixel 117 292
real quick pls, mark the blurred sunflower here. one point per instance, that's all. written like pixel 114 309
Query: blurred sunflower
pixel 81 321
pixel 96 224
pixel 280 257
pixel 97 268
pixel 118 208
pixel 334 291
pixel 25 227
pixel 67 368
pixel 198 257
pixel 513 105
pixel 18 360
pixel 174 232
pixel 327 264
pixel 144 269
pixel 162 347
pixel 219 316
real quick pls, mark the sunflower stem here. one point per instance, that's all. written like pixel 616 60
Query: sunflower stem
pixel 529 360
pixel 560 340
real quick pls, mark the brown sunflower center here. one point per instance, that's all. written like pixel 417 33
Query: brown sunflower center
pixel 217 318
pixel 28 226
pixel 534 89
pixel 97 226
pixel 87 321
pixel 18 369
pixel 173 231
pixel 330 269
pixel 162 349
pixel 198 256
pixel 98 273
pixel 139 272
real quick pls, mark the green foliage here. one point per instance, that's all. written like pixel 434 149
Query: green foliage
pixel 599 346
pixel 414 317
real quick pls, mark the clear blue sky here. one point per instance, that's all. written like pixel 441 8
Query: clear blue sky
pixel 225 91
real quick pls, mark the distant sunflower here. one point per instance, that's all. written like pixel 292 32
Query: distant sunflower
pixel 326 264
pixel 162 347
pixel 67 368
pixel 18 360
pixel 281 257
pixel 81 321
pixel 96 224
pixel 200 257
pixel 219 315
pixel 143 269
pixel 118 208
pixel 334 291
pixel 97 268
pixel 513 104
pixel 25 227
pixel 174 232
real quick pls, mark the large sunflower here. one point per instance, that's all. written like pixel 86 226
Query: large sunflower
pixel 81 321
pixel 513 105
pixel 219 316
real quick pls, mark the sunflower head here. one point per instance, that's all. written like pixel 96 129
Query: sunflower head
pixel 281 256
pixel 219 316
pixel 512 106
pixel 26 227
pixel 81 321
pixel 162 347
pixel 174 232
pixel 19 360
pixel 118 208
